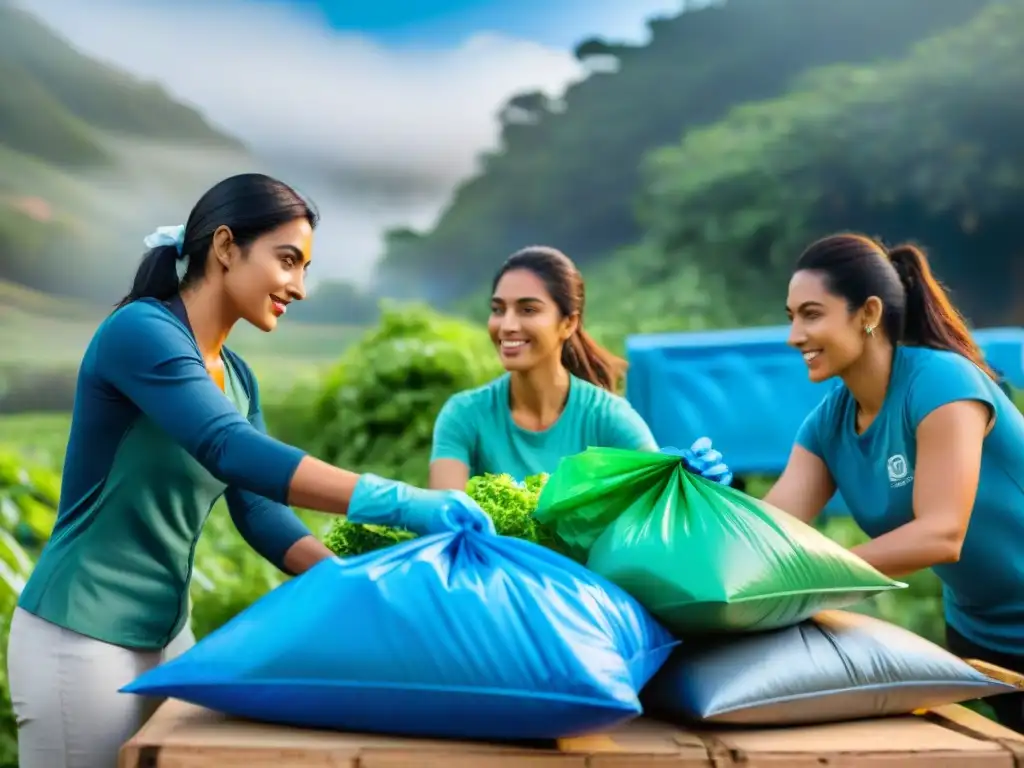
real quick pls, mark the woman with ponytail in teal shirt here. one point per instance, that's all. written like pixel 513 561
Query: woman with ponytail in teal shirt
pixel 166 420
pixel 920 439
pixel 558 396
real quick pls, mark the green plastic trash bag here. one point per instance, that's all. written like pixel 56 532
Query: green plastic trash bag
pixel 700 556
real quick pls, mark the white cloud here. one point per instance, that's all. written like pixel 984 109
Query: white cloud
pixel 399 127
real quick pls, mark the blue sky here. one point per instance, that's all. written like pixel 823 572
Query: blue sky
pixel 439 23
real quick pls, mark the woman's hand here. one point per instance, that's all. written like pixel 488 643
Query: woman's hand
pixel 441 511
pixel 701 459
pixel 379 501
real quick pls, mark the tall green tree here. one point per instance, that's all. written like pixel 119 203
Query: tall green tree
pixel 926 148
pixel 568 169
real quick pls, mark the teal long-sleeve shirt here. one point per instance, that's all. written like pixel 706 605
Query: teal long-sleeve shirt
pixel 154 443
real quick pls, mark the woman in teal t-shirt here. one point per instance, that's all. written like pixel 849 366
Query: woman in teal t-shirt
pixel 920 439
pixel 558 395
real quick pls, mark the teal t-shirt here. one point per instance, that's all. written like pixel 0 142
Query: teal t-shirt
pixel 984 591
pixel 476 428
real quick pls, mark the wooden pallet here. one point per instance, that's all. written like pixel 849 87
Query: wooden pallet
pixel 185 736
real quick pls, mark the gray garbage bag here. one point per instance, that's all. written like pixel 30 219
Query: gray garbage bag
pixel 836 666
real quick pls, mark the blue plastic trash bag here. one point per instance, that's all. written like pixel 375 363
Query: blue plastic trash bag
pixel 463 635
pixel 836 666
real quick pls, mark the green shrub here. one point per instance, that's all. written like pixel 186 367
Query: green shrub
pixel 228 576
pixel 377 408
pixel 28 508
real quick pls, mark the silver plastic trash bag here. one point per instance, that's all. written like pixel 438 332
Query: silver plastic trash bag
pixel 835 666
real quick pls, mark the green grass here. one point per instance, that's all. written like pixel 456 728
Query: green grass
pixel 42 330
pixel 38 436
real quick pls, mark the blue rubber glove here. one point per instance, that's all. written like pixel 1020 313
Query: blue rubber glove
pixel 701 459
pixel 379 501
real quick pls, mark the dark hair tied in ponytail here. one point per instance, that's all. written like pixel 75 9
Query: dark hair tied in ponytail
pixel 930 319
pixel 588 360
pixel 157 275
pixel 915 307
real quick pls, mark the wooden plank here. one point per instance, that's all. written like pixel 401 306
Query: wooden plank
pixel 182 735
pixel 1001 674
pixel 185 736
pixel 913 742
pixel 968 721
pixel 642 743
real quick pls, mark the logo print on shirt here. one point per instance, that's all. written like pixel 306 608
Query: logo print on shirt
pixel 899 470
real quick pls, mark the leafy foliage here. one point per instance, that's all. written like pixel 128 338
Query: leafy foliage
pixel 509 504
pixel 568 168
pixel 923 147
pixel 348 539
pixel 377 408
pixel 28 507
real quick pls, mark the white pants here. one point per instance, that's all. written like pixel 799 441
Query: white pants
pixel 64 691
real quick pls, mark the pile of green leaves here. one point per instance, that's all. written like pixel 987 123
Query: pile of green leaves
pixel 348 539
pixel 377 407
pixel 509 504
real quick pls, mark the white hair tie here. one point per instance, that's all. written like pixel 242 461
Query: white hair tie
pixel 175 236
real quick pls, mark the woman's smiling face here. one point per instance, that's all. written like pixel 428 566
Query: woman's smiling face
pixel 526 325
pixel 827 333
pixel 271 274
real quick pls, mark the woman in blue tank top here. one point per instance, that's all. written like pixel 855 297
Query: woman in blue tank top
pixel 166 420
pixel 920 439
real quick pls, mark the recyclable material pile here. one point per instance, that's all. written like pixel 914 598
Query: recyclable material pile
pixel 620 585
pixel 509 503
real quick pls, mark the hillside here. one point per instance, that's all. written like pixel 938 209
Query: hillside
pixel 54 99
pixel 90 158
pixel 43 337
pixel 67 324
pixel 567 172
